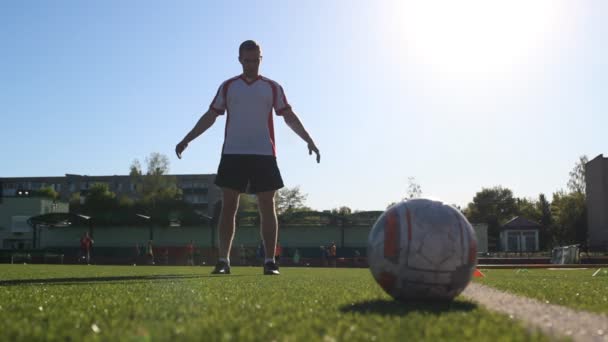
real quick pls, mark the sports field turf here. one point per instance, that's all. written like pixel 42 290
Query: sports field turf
pixel 573 288
pixel 54 302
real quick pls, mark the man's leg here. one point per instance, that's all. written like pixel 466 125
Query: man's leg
pixel 230 204
pixel 268 220
pixel 268 216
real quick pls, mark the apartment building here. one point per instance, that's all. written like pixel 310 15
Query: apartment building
pixel 197 189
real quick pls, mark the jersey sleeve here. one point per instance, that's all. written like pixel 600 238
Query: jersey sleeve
pixel 218 105
pixel 280 101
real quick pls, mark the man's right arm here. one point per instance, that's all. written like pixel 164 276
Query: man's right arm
pixel 201 126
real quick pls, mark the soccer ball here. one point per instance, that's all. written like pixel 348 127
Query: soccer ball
pixel 422 250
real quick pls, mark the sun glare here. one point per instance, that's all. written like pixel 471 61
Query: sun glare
pixel 476 36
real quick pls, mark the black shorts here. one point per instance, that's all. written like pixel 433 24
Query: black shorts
pixel 250 173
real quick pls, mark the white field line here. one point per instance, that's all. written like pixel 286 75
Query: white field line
pixel 552 319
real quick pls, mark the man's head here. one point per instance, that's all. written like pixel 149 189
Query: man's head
pixel 250 56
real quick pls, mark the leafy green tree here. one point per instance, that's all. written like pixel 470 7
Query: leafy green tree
pixel 528 208
pixel 47 192
pixel 343 210
pixel 576 183
pixel 290 199
pixel 155 185
pixel 248 204
pixel 100 198
pixel 546 221
pixel 493 206
pixel 569 214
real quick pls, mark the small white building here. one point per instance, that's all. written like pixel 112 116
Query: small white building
pixel 520 235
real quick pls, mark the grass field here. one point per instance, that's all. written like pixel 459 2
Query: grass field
pixel 573 288
pixel 56 302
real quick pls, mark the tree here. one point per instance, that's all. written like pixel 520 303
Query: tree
pixel 343 210
pixel 546 221
pixel 493 206
pixel 413 191
pixel 290 199
pixel 576 183
pixel 569 214
pixel 99 199
pixel 47 192
pixel 248 203
pixel 413 188
pixel 527 208
pixel 155 185
pixel 544 208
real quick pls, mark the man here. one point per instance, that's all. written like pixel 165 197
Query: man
pixel 150 253
pixel 248 162
pixel 86 244
pixel 190 253
pixel 332 254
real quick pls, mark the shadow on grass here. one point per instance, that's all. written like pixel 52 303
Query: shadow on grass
pixel 402 308
pixel 113 279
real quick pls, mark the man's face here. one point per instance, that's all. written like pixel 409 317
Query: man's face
pixel 250 60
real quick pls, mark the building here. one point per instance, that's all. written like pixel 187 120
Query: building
pixel 481 233
pixel 197 189
pixel 15 233
pixel 596 179
pixel 519 235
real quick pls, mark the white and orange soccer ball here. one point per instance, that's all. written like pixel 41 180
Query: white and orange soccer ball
pixel 421 249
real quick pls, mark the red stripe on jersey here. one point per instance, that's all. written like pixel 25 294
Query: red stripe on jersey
pixel 271 132
pixel 391 235
pixel 225 95
pixel 224 92
pixel 284 98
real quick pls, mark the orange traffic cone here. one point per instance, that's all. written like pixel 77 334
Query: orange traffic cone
pixel 478 274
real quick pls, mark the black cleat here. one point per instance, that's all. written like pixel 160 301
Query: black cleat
pixel 221 268
pixel 271 268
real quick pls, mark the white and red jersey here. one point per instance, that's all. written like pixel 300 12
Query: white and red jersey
pixel 249 104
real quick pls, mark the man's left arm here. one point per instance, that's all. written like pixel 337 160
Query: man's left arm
pixel 293 121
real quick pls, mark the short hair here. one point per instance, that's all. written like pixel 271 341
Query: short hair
pixel 249 45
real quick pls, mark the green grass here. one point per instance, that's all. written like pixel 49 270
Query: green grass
pixel 109 303
pixel 573 288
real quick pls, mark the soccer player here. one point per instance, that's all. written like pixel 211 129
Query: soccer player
pixel 248 163
pixel 86 244
pixel 190 253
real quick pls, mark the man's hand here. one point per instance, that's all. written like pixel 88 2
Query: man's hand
pixel 180 148
pixel 312 148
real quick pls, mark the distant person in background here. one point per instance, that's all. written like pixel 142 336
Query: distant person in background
pixel 190 253
pixel 356 258
pixel 150 253
pixel 332 254
pixel 86 245
pixel 137 254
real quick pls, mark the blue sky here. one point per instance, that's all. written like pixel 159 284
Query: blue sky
pixel 460 95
